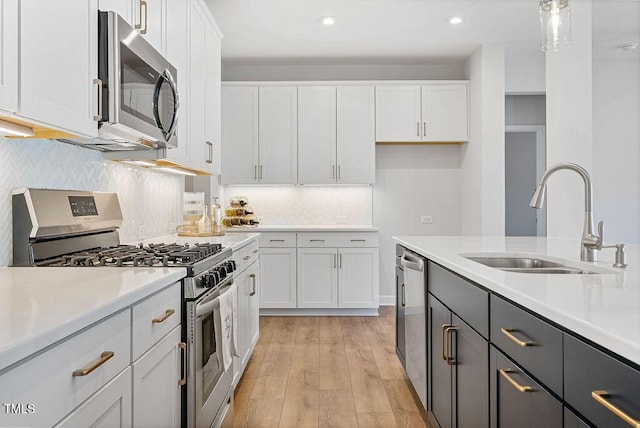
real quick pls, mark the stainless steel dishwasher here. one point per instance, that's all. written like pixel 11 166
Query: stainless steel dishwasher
pixel 415 325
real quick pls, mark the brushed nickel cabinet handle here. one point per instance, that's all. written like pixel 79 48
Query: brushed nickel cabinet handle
pixel 448 332
pixel 98 117
pixel 253 277
pixel 256 251
pixel 600 396
pixel 358 240
pixel 183 380
pixel 508 332
pixel 403 302
pixel 338 172
pixel 143 3
pixel 255 172
pixel 516 385
pixel 246 257
pixel 340 260
pixel 104 357
pixel 334 261
pixel 210 144
pixel 260 172
pixel 138 26
pixel 445 342
pixel 276 240
pixel 424 129
pixel 418 129
pixel 162 318
pixel 316 240
pixel 333 172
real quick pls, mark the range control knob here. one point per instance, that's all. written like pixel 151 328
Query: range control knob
pixel 210 280
pixel 230 266
pixel 222 271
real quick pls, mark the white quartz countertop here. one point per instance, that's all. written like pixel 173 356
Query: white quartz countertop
pixel 42 305
pixel 305 228
pixel 603 308
pixel 230 240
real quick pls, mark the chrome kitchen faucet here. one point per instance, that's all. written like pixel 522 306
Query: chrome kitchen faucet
pixel 590 241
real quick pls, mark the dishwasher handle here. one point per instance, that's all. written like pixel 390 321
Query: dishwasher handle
pixel 416 264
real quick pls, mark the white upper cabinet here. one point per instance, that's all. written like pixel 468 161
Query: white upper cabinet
pixel 336 127
pixel 259 138
pixel 58 64
pixel 204 82
pixel 9 55
pixel 152 19
pixel 444 113
pixel 317 135
pixel 239 135
pixel 278 135
pixel 430 113
pixel 124 8
pixel 356 145
pixel 398 114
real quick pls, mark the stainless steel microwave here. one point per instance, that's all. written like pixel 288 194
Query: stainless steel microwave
pixel 139 101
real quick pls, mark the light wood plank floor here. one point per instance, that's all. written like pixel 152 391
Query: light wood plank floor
pixel 327 372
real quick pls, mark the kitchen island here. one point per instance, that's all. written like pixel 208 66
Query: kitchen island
pixel 564 348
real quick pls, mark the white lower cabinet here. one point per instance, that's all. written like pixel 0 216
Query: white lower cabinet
pixel 108 408
pixel 156 380
pixel 248 295
pixel 317 278
pixel 278 278
pixel 358 277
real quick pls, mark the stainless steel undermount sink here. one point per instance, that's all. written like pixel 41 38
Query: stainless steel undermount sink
pixel 529 265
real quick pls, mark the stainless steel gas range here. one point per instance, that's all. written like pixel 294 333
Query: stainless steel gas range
pixel 80 229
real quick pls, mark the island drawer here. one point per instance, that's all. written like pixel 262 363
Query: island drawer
pixel 154 317
pixel 603 389
pixel 468 301
pixel 533 343
pixel 277 239
pixel 338 239
pixel 47 387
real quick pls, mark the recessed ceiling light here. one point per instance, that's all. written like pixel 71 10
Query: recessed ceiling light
pixel 630 47
pixel 455 20
pixel 328 20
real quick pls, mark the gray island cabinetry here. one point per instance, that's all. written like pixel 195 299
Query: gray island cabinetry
pixel 495 359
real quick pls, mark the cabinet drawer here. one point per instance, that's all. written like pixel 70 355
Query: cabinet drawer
pixel 519 401
pixel 467 300
pixel 533 343
pixel 154 317
pixel 588 370
pixel 47 381
pixel 277 239
pixel 338 239
pixel 245 256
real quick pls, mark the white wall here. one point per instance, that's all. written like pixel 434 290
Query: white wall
pixel 616 147
pixel 524 69
pixel 150 201
pixel 279 72
pixel 412 181
pixel 569 128
pixel 482 185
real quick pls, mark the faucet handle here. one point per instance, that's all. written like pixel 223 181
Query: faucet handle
pixel 600 234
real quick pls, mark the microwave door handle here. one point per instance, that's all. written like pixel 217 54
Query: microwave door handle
pixel 176 109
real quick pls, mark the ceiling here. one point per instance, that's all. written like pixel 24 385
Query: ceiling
pixel 386 31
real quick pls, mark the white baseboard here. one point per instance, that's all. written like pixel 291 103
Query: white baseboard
pixel 362 312
pixel 388 300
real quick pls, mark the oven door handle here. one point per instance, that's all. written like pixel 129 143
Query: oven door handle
pixel 205 308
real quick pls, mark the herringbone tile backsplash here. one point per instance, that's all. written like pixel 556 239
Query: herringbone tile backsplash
pixel 150 201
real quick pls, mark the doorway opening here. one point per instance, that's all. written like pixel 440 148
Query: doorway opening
pixel 525 162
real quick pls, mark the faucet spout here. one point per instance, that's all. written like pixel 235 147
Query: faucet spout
pixel 590 241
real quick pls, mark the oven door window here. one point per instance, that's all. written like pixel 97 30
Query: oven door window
pixel 146 93
pixel 209 368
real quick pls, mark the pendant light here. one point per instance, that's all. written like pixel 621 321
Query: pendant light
pixel 555 24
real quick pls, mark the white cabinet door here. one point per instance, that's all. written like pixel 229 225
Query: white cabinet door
pixel 444 113
pixel 110 407
pixel 156 392
pixel 254 304
pixel 212 88
pixel 317 135
pixel 154 23
pixel 54 91
pixel 358 277
pixel 9 55
pixel 317 278
pixel 398 114
pixel 245 286
pixel 356 144
pixel 278 278
pixel 239 135
pixel 278 136
pixel 177 49
pixel 124 8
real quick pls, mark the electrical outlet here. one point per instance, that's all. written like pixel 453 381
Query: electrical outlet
pixel 341 219
pixel 426 219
